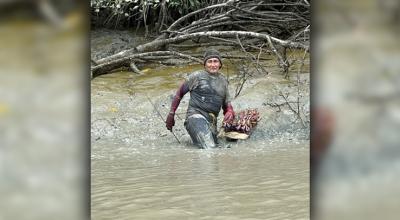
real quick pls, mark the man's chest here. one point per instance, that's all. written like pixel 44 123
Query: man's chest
pixel 209 85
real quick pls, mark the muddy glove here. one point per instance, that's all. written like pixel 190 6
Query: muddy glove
pixel 170 121
pixel 229 114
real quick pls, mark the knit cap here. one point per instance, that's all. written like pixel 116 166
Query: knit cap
pixel 212 53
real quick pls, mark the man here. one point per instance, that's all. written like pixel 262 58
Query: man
pixel 208 94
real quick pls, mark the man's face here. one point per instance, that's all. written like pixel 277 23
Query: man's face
pixel 212 65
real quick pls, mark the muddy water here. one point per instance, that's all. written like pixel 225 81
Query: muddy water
pixel 176 182
pixel 140 171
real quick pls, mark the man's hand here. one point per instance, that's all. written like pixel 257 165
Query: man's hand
pixel 229 116
pixel 170 121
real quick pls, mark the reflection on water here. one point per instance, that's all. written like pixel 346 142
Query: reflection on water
pixel 245 181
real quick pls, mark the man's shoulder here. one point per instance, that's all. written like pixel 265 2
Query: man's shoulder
pixel 223 77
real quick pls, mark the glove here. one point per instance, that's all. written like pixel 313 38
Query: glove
pixel 229 116
pixel 170 121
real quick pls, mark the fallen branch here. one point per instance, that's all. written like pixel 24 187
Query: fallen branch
pixel 180 20
pixel 281 24
pixel 113 64
pixel 158 44
pixel 135 69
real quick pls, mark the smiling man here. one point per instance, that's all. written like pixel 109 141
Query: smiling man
pixel 208 94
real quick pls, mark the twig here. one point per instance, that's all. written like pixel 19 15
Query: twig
pixel 291 108
pixel 240 86
pixel 159 114
pixel 298 80
pixel 176 113
pixel 252 58
pixel 281 61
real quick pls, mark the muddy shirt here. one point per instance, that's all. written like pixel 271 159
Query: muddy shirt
pixel 208 93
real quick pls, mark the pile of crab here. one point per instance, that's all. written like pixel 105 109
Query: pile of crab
pixel 243 122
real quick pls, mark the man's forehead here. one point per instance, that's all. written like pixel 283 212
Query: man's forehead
pixel 213 59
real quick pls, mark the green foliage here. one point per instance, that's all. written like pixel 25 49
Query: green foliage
pixel 139 10
pixel 184 7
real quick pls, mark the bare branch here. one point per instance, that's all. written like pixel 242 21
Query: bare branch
pixel 173 25
pixel 110 65
pixel 157 44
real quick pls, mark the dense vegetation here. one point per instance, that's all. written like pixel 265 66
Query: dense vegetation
pixel 263 26
pixel 157 15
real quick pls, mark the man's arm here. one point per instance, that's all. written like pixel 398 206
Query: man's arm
pixel 183 89
pixel 229 114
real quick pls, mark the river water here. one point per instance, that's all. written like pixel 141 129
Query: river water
pixel 139 170
pixel 246 181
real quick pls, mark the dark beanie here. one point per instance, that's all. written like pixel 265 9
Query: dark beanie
pixel 212 53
